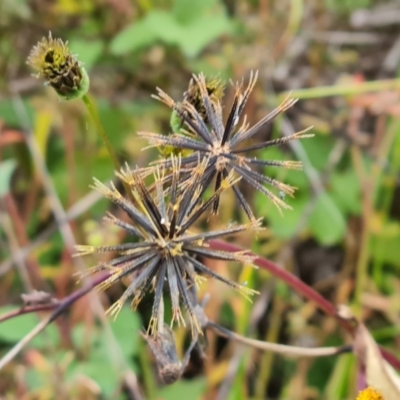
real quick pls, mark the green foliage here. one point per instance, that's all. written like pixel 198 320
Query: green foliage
pixel 15 329
pixel 89 52
pixel 347 6
pixel 100 35
pixel 192 389
pixel 9 115
pixel 385 244
pixel 341 198
pixel 326 222
pixel 190 26
pixel 106 374
pixel 7 168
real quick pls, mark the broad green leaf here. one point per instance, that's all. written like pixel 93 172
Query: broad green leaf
pixel 15 329
pixel 81 337
pixel 283 226
pixel 202 32
pixel 186 11
pixel 326 222
pixel 100 369
pixel 9 115
pixel 164 27
pixel 126 329
pixel 346 191
pixel 88 51
pixel 135 36
pixel 318 149
pixel 7 168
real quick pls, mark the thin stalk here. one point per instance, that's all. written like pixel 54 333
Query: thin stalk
pixel 363 257
pixel 343 89
pixel 293 281
pixel 103 135
pixel 271 338
pixel 302 289
pixel 59 309
pixel 294 351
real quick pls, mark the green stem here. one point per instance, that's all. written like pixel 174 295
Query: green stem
pixel 93 113
pixel 96 119
pixel 343 89
pixel 272 336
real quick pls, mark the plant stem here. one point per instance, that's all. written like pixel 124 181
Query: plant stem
pixel 302 289
pixel 299 286
pixel 59 309
pixel 103 135
pixel 294 351
pixel 343 89
pixel 266 362
pixel 95 116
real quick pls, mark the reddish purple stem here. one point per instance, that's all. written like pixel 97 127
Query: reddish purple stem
pixel 62 304
pixel 302 289
pixel 291 280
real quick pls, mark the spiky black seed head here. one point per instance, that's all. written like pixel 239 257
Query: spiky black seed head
pixel 223 144
pixel 163 247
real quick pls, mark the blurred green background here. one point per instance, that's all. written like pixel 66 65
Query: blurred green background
pixel 339 57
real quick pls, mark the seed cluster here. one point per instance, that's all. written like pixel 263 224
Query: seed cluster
pixel 164 247
pixel 52 60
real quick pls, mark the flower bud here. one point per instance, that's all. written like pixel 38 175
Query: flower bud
pixel 61 69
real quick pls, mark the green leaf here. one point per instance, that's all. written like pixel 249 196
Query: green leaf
pixel 99 369
pixel 15 329
pixel 164 27
pixel 9 114
pixel 88 51
pixel 384 247
pixel 159 25
pixel 346 191
pixel 202 32
pixel 192 389
pixel 326 222
pixel 318 149
pixel 282 226
pixel 291 177
pixel 135 36
pixel 126 330
pixel 7 168
pixel 186 11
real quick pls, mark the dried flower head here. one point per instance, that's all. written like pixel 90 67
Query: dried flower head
pixel 222 143
pixel 53 61
pixel 215 89
pixel 167 249
pixel 163 347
